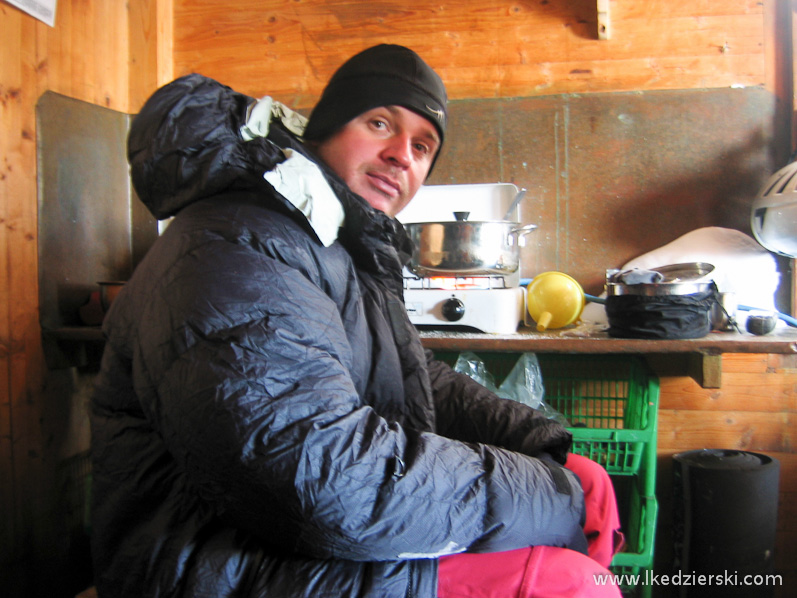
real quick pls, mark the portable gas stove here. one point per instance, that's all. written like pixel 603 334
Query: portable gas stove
pixel 493 303
pixel 471 302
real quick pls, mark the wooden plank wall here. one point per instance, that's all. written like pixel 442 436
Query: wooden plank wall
pixel 85 56
pixel 114 54
pixel 481 49
pixel 80 58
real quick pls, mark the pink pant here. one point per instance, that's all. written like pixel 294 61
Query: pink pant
pixel 545 571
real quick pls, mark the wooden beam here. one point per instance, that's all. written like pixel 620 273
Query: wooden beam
pixel 604 20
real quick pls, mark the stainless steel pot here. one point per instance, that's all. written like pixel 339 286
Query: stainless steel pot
pixel 465 248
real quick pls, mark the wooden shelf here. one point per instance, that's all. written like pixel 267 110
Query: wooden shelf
pixel 75 333
pixel 705 354
pixel 579 340
pixel 72 346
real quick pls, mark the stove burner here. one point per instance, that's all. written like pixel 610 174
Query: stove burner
pixel 456 283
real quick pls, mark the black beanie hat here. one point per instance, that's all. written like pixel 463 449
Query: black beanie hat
pixel 384 75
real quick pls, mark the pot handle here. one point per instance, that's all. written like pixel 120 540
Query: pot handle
pixel 523 230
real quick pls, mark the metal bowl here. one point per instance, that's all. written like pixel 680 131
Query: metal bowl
pixel 677 279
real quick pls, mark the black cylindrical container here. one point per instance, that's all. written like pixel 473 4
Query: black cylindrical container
pixel 660 317
pixel 726 511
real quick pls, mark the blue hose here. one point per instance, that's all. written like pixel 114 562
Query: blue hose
pixel 786 318
pixel 524 282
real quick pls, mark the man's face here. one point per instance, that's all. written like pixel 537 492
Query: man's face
pixel 383 155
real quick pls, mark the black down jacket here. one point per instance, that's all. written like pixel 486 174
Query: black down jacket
pixel 266 422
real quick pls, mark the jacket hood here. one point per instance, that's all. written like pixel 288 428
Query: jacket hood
pixel 185 145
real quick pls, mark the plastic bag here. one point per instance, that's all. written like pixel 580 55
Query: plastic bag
pixel 523 383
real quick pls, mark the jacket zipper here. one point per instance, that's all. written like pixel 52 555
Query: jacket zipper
pixel 409 593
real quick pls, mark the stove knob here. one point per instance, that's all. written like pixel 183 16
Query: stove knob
pixel 453 309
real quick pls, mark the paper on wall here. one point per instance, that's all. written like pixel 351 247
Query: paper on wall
pixel 44 10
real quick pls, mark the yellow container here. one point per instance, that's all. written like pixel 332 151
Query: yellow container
pixel 554 300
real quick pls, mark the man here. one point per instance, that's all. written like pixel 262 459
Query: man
pixel 266 422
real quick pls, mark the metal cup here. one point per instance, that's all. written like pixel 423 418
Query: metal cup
pixel 723 312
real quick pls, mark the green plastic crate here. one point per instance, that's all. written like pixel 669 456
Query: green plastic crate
pixel 611 402
pixel 638 514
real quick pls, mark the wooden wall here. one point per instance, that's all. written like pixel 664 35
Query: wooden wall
pixel 114 54
pixel 80 58
pixel 482 49
pixel 610 176
pixel 106 53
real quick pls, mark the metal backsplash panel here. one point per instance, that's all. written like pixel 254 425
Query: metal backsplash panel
pixel 613 176
pixel 91 225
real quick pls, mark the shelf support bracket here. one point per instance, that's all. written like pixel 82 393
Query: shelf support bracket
pixel 706 369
